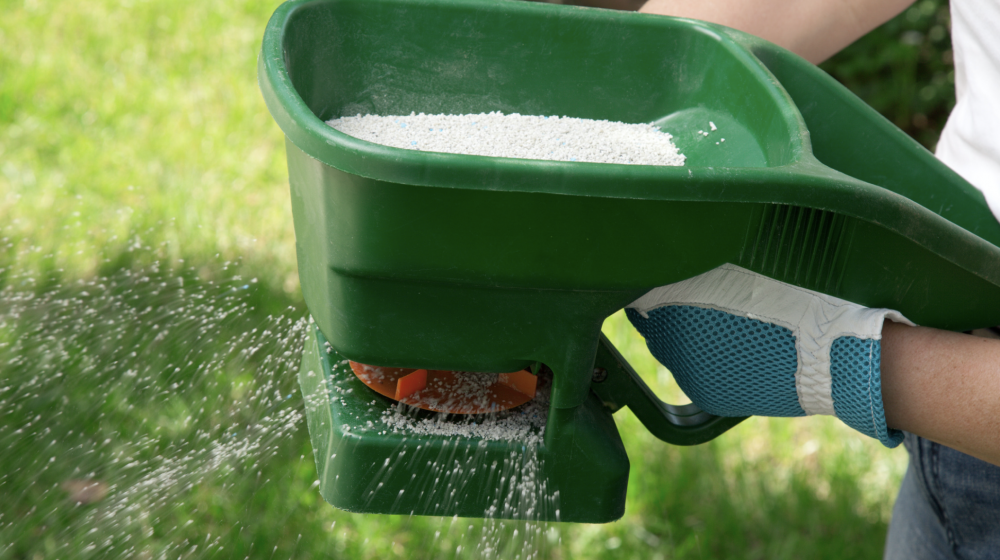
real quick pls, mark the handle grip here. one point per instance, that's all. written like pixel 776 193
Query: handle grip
pixel 618 385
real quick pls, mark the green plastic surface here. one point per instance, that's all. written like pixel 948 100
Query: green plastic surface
pixel 445 261
pixel 579 474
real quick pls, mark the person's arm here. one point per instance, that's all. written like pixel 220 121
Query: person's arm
pixel 813 29
pixel 742 344
pixel 943 386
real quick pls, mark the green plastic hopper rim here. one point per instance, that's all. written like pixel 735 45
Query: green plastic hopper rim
pixel 805 182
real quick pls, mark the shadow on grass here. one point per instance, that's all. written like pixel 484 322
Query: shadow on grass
pixel 123 394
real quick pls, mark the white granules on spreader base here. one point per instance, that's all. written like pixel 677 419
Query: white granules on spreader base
pixel 525 423
pixel 518 136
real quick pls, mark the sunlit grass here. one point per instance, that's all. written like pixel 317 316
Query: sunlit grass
pixel 139 124
pixel 133 133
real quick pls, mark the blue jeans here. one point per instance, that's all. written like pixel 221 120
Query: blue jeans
pixel 948 506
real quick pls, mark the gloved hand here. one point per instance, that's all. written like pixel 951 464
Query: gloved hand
pixel 742 344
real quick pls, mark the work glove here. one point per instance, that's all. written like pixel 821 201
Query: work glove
pixel 742 344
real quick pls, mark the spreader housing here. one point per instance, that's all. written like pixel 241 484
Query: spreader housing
pixel 467 263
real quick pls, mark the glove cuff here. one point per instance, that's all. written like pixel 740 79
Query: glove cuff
pixel 857 388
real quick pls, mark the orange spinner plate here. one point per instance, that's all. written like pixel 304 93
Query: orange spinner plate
pixel 455 392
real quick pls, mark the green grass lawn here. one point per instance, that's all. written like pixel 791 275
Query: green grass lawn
pixel 146 248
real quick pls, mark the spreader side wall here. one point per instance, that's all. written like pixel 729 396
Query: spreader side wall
pixel 362 227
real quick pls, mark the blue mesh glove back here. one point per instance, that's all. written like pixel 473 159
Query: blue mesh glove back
pixel 742 344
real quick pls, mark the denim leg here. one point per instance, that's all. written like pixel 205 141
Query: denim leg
pixel 916 531
pixel 968 491
pixel 948 506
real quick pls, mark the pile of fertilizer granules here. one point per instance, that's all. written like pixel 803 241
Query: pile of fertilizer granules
pixel 525 423
pixel 518 136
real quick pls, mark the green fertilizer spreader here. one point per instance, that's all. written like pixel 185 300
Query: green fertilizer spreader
pixel 428 260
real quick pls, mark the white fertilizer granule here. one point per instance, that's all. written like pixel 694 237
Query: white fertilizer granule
pixel 525 423
pixel 518 136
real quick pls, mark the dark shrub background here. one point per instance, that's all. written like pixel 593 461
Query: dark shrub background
pixel 904 70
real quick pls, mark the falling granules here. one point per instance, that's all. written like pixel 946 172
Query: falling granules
pixel 465 389
pixel 518 136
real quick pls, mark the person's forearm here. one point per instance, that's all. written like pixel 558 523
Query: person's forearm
pixel 813 29
pixel 943 386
